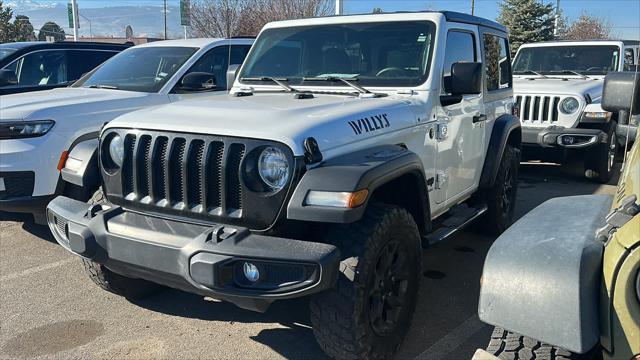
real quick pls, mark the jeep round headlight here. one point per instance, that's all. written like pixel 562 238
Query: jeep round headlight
pixel 116 150
pixel 569 105
pixel 273 168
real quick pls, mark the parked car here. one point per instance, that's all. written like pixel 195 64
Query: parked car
pixel 39 65
pixel 39 132
pixel 564 281
pixel 558 87
pixel 348 142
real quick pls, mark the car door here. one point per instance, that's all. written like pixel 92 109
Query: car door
pixel 216 61
pixel 38 70
pixel 460 131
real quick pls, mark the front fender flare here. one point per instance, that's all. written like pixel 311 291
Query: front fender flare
pixel 542 277
pixel 365 169
pixel 81 167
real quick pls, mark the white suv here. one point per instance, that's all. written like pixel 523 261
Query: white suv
pixel 38 130
pixel 347 143
pixel 558 87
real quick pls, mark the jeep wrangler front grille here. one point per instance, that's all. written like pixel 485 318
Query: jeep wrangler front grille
pixel 199 176
pixel 540 109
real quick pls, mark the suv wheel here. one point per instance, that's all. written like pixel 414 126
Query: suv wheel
pixel 501 198
pixel 367 314
pixel 507 345
pixel 602 158
pixel 112 282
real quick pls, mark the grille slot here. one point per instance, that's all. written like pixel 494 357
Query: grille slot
pixel 194 174
pixel 539 109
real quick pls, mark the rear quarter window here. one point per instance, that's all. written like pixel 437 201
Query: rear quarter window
pixel 497 64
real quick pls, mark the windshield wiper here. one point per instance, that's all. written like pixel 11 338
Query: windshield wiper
pixel 110 87
pixel 572 72
pixel 530 72
pixel 348 82
pixel 278 81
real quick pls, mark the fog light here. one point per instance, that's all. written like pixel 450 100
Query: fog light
pixel 251 272
pixel 568 140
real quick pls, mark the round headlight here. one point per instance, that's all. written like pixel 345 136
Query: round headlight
pixel 273 167
pixel 116 150
pixel 569 105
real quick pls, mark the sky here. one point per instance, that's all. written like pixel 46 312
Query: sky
pixel 623 15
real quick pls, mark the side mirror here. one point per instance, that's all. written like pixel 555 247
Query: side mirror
pixel 466 78
pixel 8 77
pixel 232 73
pixel 198 81
pixel 621 92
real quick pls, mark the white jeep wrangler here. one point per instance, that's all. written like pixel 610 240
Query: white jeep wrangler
pixel 347 143
pixel 558 87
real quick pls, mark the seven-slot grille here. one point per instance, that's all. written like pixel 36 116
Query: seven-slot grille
pixel 184 173
pixel 542 109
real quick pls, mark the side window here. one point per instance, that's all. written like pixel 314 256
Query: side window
pixel 216 62
pixel 461 47
pixel 497 66
pixel 82 61
pixel 628 59
pixel 238 53
pixel 47 67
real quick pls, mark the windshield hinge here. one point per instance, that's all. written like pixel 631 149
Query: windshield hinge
pixel 617 218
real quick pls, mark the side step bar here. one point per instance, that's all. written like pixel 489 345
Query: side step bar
pixel 461 216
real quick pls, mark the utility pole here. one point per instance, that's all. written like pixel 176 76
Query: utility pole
pixel 556 20
pixel 339 7
pixel 473 6
pixel 74 11
pixel 165 19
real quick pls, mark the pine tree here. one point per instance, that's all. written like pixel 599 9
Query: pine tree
pixel 527 21
pixel 23 29
pixel 7 30
pixel 51 29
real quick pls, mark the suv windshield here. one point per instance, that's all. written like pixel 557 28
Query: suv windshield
pixel 144 69
pixel 583 59
pixel 378 54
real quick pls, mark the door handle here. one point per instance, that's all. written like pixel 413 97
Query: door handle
pixel 479 118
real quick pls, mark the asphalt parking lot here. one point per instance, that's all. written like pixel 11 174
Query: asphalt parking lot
pixel 50 309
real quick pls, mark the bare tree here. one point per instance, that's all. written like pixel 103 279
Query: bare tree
pixel 218 18
pixel 227 18
pixel 588 27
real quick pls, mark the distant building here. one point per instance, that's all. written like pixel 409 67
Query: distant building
pixel 116 40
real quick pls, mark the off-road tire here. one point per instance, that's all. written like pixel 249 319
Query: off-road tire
pixel 601 158
pixel 344 323
pixel 511 346
pixel 501 197
pixel 112 282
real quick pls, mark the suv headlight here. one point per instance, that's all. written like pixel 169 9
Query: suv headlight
pixel 115 148
pixel 273 168
pixel 569 105
pixel 25 129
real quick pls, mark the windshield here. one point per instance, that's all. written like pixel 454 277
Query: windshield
pixel 378 54
pixel 584 59
pixel 144 69
pixel 4 52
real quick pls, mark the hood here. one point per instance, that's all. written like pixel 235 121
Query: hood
pixel 50 104
pixel 558 86
pixel 333 120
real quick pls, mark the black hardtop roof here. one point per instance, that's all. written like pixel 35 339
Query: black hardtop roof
pixel 64 44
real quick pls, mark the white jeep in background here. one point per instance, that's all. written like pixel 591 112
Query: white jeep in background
pixel 347 143
pixel 38 131
pixel 558 87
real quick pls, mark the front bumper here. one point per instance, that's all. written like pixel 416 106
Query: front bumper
pixel 561 137
pixel 16 193
pixel 202 259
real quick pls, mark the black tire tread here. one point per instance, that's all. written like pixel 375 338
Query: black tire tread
pixel 511 346
pixel 340 334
